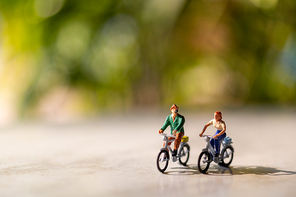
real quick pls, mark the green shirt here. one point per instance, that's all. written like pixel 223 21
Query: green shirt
pixel 175 125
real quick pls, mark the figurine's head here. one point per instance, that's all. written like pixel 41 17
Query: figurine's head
pixel 174 108
pixel 218 115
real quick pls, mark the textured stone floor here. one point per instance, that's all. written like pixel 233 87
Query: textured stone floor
pixel 116 156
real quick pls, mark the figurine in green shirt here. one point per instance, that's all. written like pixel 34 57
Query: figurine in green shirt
pixel 176 122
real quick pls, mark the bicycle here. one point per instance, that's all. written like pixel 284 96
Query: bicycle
pixel 164 156
pixel 206 156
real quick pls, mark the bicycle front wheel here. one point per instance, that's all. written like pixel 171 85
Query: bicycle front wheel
pixel 184 154
pixel 204 161
pixel 226 156
pixel 162 161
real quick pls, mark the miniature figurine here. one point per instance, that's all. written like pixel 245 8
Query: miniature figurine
pixel 176 122
pixel 181 147
pixel 209 154
pixel 220 134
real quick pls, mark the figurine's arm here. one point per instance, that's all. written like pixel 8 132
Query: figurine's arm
pixel 204 129
pixel 222 132
pixel 180 125
pixel 165 125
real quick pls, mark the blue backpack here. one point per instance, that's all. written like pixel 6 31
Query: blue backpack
pixel 227 140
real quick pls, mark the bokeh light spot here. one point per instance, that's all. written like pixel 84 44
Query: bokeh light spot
pixel 265 3
pixel 47 8
pixel 73 39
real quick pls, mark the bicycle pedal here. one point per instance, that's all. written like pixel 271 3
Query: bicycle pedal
pixel 174 158
pixel 216 159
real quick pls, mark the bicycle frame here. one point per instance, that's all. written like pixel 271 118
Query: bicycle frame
pixel 209 147
pixel 165 138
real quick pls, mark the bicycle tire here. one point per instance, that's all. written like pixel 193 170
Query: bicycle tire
pixel 158 161
pixel 227 152
pixel 184 153
pixel 203 158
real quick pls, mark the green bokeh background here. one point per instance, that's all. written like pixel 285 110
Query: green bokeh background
pixel 86 57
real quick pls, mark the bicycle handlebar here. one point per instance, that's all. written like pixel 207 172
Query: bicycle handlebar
pixel 209 136
pixel 164 134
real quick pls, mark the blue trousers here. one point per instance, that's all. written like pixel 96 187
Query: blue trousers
pixel 216 142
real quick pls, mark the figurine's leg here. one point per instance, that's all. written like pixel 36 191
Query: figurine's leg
pixel 217 144
pixel 168 143
pixel 212 142
pixel 178 139
pixel 177 143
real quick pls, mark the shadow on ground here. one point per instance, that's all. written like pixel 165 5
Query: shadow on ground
pixel 233 170
pixel 259 170
pixel 183 170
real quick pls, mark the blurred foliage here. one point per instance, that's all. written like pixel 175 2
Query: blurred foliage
pixel 86 56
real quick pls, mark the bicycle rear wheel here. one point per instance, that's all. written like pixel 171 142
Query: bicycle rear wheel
pixel 227 156
pixel 184 154
pixel 204 161
pixel 162 161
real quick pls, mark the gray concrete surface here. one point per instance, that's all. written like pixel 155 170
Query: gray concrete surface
pixel 116 156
